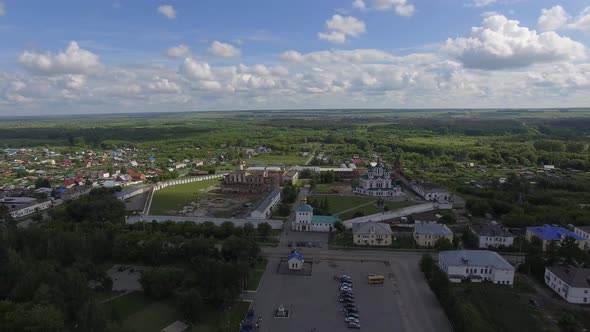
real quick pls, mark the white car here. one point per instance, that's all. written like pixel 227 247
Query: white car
pixel 345 288
pixel 352 320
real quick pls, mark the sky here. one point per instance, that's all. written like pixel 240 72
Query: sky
pixel 117 56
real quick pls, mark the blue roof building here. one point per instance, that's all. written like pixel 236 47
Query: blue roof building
pixel 549 233
pixel 295 260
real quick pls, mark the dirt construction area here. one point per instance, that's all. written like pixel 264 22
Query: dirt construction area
pixel 222 205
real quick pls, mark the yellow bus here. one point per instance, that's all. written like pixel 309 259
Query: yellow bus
pixel 375 279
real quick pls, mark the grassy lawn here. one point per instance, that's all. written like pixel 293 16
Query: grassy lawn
pixel 256 274
pixel 175 197
pixel 137 313
pixel 346 206
pixel 215 321
pixel 503 308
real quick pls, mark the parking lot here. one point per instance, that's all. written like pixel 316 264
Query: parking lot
pixel 313 300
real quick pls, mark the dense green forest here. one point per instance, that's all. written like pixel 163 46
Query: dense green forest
pixel 45 271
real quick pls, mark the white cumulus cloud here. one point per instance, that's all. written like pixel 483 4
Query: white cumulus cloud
pixel 73 60
pixel 180 51
pixel 582 21
pixel 401 7
pixel 223 50
pixel 163 85
pixel 167 11
pixel 481 3
pixel 501 43
pixel 360 4
pixel 342 26
pixel 553 18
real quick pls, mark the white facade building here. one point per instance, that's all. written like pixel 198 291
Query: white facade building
pixel 305 221
pixel 583 231
pixel 573 284
pixel 295 260
pixel 492 235
pixel 377 182
pixel 24 211
pixel 264 209
pixel 476 266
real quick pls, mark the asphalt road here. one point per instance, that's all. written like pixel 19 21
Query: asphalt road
pixel 406 303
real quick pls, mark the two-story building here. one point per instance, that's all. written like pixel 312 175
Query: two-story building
pixel 476 266
pixel 371 233
pixel 492 235
pixel 306 221
pixel 549 234
pixel 583 231
pixel 426 234
pixel 573 284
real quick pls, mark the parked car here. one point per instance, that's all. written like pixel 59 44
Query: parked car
pixel 346 300
pixel 353 325
pixel 352 314
pixel 346 283
pixel 351 319
pixel 290 244
pixel 345 288
pixel 346 295
pixel 309 245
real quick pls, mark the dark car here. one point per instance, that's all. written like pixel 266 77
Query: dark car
pixel 290 243
pixel 346 300
pixel 346 296
pixel 352 314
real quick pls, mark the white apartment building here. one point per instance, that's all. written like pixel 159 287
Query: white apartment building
pixel 492 235
pixel 583 231
pixel 573 284
pixel 476 266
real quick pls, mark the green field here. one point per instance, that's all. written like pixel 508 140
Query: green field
pixel 346 206
pixel 137 313
pixel 502 308
pixel 255 275
pixel 175 197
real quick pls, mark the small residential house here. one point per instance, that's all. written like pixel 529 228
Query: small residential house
pixel 549 234
pixel 371 233
pixel 295 260
pixel 583 231
pixel 476 266
pixel 426 234
pixel 571 283
pixel 306 221
pixel 492 235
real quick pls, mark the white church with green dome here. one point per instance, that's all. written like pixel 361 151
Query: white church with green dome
pixel 377 182
pixel 305 221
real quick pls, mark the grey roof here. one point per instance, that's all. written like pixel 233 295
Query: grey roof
pixel 490 230
pixel 177 326
pixel 474 258
pixel 433 229
pixel 585 229
pixel 574 277
pixel 365 228
pixel 267 200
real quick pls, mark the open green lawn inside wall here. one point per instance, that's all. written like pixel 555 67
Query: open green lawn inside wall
pixel 173 198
